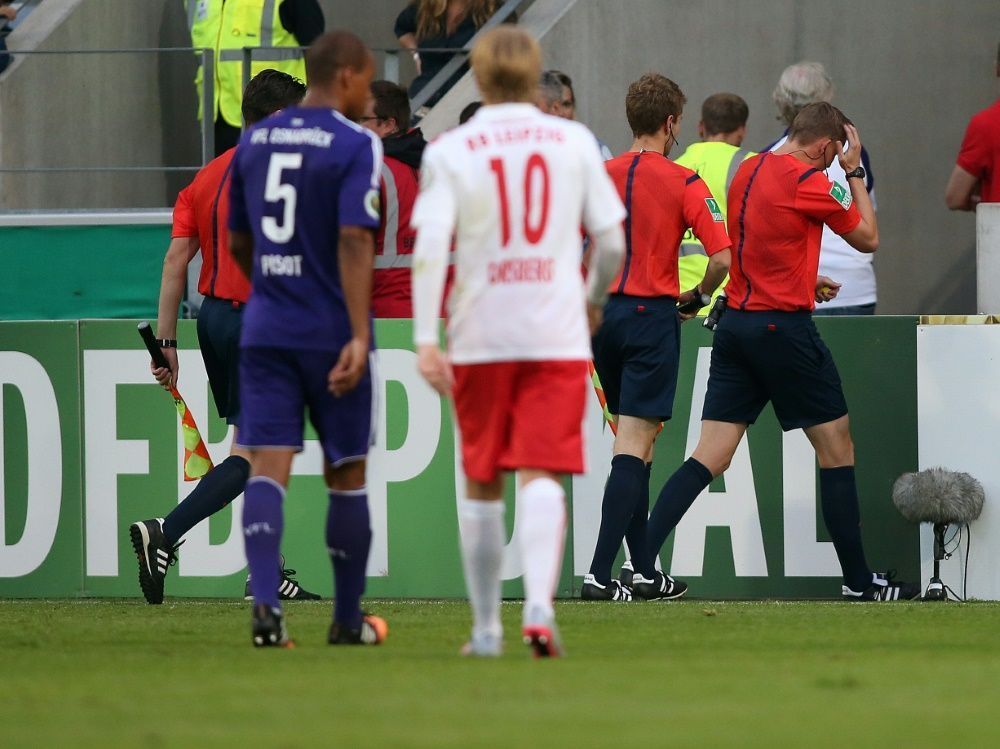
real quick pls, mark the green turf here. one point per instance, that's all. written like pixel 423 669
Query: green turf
pixel 690 674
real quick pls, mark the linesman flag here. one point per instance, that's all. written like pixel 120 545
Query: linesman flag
pixel 197 461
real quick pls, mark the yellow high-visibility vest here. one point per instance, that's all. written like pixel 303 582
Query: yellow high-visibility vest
pixel 229 26
pixel 716 163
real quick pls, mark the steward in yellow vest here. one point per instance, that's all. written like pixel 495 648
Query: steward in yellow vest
pixel 716 158
pixel 227 26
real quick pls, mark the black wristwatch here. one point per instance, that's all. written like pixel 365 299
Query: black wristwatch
pixel 166 342
pixel 860 173
pixel 700 300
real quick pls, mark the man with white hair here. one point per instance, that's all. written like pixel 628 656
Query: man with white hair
pixel 852 273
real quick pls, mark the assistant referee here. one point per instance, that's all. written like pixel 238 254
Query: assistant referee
pixel 766 347
pixel 200 222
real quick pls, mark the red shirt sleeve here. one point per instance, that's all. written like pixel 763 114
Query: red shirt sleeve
pixel 703 215
pixel 829 202
pixel 974 155
pixel 185 224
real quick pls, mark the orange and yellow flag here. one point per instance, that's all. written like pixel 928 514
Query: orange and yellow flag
pixel 197 461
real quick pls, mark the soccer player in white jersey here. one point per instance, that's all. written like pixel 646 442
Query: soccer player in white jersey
pixel 514 187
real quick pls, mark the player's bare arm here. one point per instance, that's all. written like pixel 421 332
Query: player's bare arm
pixel 356 257
pixel 172 284
pixel 865 237
pixel 430 266
pixel 962 192
pixel 241 248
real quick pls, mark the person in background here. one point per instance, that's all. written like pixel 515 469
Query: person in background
pixel 976 176
pixel 715 158
pixel 556 97
pixel 851 273
pixel 439 24
pixel 387 114
pixel 227 26
pixel 8 13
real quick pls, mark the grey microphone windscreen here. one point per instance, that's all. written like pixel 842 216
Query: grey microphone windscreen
pixel 938 496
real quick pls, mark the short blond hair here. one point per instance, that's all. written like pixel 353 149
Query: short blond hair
pixel 507 63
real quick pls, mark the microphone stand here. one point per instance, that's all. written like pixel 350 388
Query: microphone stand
pixel 935 589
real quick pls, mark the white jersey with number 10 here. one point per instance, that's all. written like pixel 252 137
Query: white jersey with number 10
pixel 515 186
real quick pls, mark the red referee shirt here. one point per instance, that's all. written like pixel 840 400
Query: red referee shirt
pixel 202 211
pixel 980 153
pixel 663 200
pixel 777 208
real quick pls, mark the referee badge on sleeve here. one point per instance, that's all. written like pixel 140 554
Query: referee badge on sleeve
pixel 842 195
pixel 713 208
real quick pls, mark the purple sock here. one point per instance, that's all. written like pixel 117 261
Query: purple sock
pixel 348 538
pixel 263 522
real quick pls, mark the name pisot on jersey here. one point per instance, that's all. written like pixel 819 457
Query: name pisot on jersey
pixel 281 265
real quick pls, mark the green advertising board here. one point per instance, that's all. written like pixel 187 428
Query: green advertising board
pixel 41 510
pixel 79 397
pixel 89 265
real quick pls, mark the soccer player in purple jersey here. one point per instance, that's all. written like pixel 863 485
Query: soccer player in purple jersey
pixel 304 206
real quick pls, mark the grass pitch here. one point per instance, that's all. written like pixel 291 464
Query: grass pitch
pixel 684 674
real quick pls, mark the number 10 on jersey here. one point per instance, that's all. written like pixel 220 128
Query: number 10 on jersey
pixel 536 212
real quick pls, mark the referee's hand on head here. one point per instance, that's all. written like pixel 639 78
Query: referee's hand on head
pixel 851 158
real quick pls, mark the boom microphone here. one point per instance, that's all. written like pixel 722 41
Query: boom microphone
pixel 938 496
pixel 943 498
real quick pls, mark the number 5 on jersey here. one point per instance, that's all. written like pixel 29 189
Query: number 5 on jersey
pixel 276 191
pixel 535 171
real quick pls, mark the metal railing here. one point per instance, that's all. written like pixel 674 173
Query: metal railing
pixel 207 56
pixel 248 56
pixel 444 76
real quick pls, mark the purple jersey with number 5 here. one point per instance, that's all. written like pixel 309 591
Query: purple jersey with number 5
pixel 298 177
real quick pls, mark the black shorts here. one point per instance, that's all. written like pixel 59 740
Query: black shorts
pixel 772 356
pixel 636 355
pixel 219 324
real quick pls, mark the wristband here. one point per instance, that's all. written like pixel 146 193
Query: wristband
pixel 166 342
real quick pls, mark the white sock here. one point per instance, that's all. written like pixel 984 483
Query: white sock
pixel 482 534
pixel 542 533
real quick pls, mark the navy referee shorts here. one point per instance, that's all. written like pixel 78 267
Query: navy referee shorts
pixel 772 356
pixel 219 324
pixel 636 354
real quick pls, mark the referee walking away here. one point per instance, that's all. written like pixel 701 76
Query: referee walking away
pixel 766 346
pixel 637 349
pixel 201 216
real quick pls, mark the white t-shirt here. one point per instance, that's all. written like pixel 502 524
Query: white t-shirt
pixel 841 262
pixel 515 186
